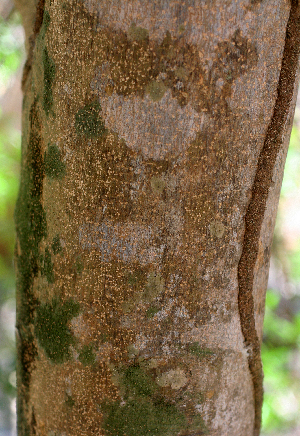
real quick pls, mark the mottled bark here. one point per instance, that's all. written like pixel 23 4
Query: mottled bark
pixel 154 140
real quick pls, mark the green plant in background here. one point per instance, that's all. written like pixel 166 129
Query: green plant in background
pixel 290 255
pixel 11 54
pixel 280 354
pixel 11 47
pixel 10 140
pixel 9 171
pixel 281 344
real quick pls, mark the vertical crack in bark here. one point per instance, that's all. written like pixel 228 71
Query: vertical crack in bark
pixel 256 209
pixel 37 27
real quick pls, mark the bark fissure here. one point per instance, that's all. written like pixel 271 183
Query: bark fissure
pixel 36 29
pixel 256 210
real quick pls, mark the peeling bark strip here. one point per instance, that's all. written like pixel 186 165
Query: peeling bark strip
pixel 256 210
pixel 37 27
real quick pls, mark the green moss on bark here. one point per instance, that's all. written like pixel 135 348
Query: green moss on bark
pixel 137 382
pixel 46 20
pixel 54 167
pixel 56 245
pixel 144 409
pixel 87 355
pixel 30 219
pixel 137 33
pixel 31 228
pixel 151 312
pixel 47 266
pixel 49 75
pixel 78 266
pixel 145 412
pixel 199 351
pixel 52 330
pixel 47 62
pixel 142 417
pixel 88 121
pixel 137 278
pixel 70 402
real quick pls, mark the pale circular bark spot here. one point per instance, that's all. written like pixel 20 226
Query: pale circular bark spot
pixel 175 378
pixel 154 128
pixel 217 229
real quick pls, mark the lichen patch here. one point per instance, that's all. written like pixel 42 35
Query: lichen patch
pixel 175 378
pixel 217 229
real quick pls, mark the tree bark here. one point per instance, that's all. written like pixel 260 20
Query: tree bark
pixel 154 139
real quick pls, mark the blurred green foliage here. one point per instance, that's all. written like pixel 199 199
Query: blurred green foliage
pixel 281 346
pixel 281 359
pixel 281 339
pixel 11 47
pixel 11 53
pixel 291 190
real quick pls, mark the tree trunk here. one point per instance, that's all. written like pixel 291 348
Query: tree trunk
pixel 154 139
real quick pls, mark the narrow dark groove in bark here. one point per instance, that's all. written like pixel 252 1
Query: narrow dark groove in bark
pixel 256 209
pixel 37 27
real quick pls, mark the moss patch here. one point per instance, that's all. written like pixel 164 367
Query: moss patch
pixel 56 245
pixel 137 382
pixel 142 417
pixel 47 266
pixel 49 75
pixel 45 24
pixel 30 220
pixel 51 328
pixel 151 312
pixel 46 20
pixel 199 351
pixel 69 401
pixel 137 33
pixel 31 228
pixel 137 278
pixel 145 412
pixel 87 355
pixel 54 167
pixel 88 121
pixel 156 90
pixel 78 267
